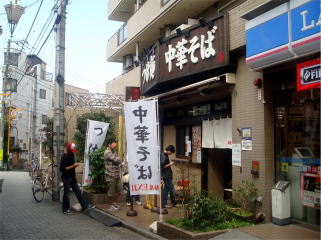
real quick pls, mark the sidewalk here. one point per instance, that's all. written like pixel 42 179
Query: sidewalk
pixel 268 231
pixel 144 216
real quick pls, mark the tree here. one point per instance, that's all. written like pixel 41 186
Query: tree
pixel 48 142
pixel 81 126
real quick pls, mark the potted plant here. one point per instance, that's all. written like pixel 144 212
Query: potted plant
pixel 96 193
pixel 247 196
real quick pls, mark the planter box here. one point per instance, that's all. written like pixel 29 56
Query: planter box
pixel 95 198
pixel 171 232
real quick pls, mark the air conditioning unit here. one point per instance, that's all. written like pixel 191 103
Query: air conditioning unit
pixel 128 62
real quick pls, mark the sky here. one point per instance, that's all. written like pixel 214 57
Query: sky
pixel 87 32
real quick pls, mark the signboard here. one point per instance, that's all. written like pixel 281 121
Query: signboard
pixel 150 69
pixel 236 154
pixel 142 147
pixel 205 49
pixel 308 74
pixel 95 137
pixel 310 190
pixel 297 33
pixel 246 141
pixel 197 144
pixel 202 49
pixel 132 93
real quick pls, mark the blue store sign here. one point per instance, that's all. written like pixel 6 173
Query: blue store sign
pixel 289 30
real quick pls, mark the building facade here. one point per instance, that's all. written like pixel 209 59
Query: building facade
pixel 225 84
pixel 29 104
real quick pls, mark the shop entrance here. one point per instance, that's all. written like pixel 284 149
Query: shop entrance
pixel 217 173
pixel 297 143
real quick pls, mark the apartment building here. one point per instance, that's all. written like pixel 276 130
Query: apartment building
pixel 30 102
pixel 228 76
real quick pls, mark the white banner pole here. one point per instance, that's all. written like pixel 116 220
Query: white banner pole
pixel 159 165
pixel 84 165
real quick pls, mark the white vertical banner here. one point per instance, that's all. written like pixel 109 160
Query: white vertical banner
pixel 95 137
pixel 142 147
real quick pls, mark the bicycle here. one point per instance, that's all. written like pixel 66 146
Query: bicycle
pixel 33 168
pixel 43 182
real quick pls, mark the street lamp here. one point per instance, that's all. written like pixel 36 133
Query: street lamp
pixel 14 12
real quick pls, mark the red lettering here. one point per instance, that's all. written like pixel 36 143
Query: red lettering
pixel 156 187
pixel 140 187
pixel 134 188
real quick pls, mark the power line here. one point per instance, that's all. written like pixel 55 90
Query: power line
pixel 31 25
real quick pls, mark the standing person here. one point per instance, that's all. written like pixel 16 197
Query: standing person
pixel 113 165
pixel 68 176
pixel 136 198
pixel 167 176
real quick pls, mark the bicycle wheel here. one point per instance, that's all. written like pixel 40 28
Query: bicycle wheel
pixel 37 192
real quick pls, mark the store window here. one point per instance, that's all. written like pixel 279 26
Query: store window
pixel 183 141
pixel 199 110
pixel 297 147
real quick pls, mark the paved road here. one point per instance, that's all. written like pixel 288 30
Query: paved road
pixel 23 218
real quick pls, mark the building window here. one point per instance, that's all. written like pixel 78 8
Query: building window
pixel 12 59
pixel 122 34
pixel 24 146
pixel 11 85
pixel 68 99
pixel 44 119
pixel 12 141
pixel 43 93
pixel 183 137
pixel 164 2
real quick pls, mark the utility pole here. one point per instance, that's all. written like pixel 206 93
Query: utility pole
pixel 59 90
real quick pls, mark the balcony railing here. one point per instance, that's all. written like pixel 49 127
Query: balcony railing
pixel 130 78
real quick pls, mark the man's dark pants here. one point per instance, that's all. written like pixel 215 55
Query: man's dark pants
pixel 168 188
pixel 71 182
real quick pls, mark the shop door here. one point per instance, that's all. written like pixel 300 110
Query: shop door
pixel 219 172
pixel 297 144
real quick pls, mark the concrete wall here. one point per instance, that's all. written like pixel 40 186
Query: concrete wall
pixel 118 85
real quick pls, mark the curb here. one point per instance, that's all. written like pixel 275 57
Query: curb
pixel 104 217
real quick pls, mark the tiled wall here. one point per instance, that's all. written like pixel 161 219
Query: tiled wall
pixel 248 111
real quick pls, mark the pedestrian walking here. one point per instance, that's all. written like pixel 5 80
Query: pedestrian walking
pixel 113 164
pixel 167 177
pixel 68 176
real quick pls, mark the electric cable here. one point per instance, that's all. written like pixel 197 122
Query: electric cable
pixel 33 22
